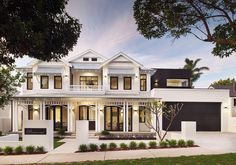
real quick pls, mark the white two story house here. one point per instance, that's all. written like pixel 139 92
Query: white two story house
pixel 112 94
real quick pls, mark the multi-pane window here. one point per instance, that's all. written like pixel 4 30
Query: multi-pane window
pixel 89 80
pixel 85 59
pixel 29 81
pixel 143 82
pixel 94 59
pixel 44 82
pixel 86 113
pixel 127 83
pixel 30 112
pixel 177 82
pixel 142 115
pixel 114 83
pixel 57 82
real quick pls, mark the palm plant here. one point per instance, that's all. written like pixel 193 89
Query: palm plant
pixel 196 71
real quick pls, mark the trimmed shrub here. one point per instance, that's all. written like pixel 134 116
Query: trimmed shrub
pixel 190 143
pixel 105 133
pixel 93 147
pixel 40 149
pixel 172 143
pixel 8 150
pixel 181 143
pixel 19 150
pixel 142 145
pixel 61 131
pixel 152 144
pixel 30 149
pixel 112 146
pixel 103 147
pixel 163 144
pixel 123 146
pixel 0 149
pixel 132 145
pixel 83 148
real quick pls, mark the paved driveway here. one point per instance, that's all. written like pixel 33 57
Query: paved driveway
pixel 217 141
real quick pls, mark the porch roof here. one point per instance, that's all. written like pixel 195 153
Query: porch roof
pixel 49 70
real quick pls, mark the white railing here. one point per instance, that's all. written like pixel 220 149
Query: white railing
pixel 86 87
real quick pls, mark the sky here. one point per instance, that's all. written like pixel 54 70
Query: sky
pixel 108 27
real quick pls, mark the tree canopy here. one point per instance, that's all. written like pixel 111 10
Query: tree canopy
pixel 208 20
pixel 196 71
pixel 224 82
pixel 41 29
pixel 9 81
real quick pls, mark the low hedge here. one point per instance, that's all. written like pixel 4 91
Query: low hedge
pixel 134 145
pixel 8 150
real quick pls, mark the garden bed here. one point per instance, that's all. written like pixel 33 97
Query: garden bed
pixel 168 144
pixel 20 150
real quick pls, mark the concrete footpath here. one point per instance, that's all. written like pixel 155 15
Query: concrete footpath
pixel 109 155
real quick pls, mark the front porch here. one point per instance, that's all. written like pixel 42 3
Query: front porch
pixel 115 115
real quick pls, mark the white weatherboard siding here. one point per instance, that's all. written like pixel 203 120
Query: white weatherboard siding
pixel 228 123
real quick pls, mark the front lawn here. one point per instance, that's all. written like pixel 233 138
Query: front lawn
pixel 57 143
pixel 224 159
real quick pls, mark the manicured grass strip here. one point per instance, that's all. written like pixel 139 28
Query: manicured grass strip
pixel 224 159
pixel 57 143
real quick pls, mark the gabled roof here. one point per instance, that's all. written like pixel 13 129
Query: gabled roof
pixel 85 52
pixel 125 56
pixel 36 61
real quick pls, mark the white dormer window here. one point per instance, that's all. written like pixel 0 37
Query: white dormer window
pixel 94 59
pixel 85 59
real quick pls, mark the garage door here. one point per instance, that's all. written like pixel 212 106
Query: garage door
pixel 207 116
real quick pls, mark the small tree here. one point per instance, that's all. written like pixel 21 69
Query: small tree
pixel 159 109
pixel 10 79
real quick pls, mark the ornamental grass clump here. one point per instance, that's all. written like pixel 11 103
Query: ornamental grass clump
pixel 181 143
pixel 8 150
pixel 163 144
pixel 39 149
pixel 19 150
pixel 30 149
pixel 132 145
pixel 172 143
pixel 112 146
pixel 142 145
pixel 93 147
pixel 123 146
pixel 152 144
pixel 103 147
pixel 190 143
pixel 83 148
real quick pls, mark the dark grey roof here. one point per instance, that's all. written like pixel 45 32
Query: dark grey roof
pixel 232 89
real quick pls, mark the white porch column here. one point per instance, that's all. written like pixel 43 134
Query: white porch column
pixel 153 121
pixel 68 117
pixel 15 116
pixel 44 111
pixel 71 118
pixel 41 111
pixel 124 116
pixel 98 118
pixel 127 116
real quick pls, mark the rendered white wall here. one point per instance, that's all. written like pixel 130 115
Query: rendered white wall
pixel 39 140
pixel 82 132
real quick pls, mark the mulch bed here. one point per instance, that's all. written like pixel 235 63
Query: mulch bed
pixel 23 153
pixel 119 149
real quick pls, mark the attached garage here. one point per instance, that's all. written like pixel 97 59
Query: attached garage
pixel 206 114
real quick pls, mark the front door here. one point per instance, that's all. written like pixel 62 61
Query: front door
pixel 58 114
pixel 88 113
pixel 113 118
